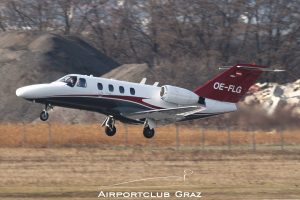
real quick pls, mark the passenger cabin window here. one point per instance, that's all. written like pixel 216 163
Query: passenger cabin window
pixel 132 91
pixel 81 83
pixel 70 80
pixel 110 88
pixel 121 89
pixel 100 86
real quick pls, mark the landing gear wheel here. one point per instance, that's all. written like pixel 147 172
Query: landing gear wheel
pixel 148 133
pixel 44 115
pixel 110 131
pixel 109 124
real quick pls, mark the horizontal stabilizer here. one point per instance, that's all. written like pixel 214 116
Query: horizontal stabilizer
pixel 253 68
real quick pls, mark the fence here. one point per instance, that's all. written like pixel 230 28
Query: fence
pixel 53 135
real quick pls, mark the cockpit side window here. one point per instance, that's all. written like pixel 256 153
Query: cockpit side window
pixel 81 83
pixel 70 80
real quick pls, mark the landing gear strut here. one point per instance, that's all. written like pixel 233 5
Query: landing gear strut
pixel 109 124
pixel 44 114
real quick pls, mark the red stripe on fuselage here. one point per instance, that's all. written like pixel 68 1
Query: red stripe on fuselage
pixel 134 99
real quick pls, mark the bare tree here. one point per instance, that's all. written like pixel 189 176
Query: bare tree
pixel 166 32
pixel 66 10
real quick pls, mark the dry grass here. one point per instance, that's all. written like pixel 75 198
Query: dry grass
pixel 59 135
pixel 70 173
pixel 80 173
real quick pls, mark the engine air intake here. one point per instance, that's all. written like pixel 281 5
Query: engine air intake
pixel 178 95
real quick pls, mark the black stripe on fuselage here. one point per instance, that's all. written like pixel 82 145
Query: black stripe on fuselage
pixel 106 106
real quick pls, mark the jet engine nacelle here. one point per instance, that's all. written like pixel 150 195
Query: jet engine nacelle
pixel 178 95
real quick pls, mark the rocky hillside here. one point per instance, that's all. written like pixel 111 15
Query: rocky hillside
pixel 32 57
pixel 275 97
pixel 269 106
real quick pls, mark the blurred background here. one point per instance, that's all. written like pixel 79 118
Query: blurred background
pixel 250 154
pixel 172 41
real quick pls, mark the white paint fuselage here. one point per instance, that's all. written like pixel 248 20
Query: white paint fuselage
pixel 146 97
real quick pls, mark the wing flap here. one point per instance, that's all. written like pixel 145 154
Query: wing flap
pixel 164 114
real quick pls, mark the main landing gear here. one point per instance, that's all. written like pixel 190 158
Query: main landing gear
pixel 44 114
pixel 149 126
pixel 109 124
pixel 111 130
pixel 148 132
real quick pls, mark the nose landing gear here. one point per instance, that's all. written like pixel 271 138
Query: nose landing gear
pixel 44 114
pixel 109 124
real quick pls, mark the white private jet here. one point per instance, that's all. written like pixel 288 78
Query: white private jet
pixel 139 103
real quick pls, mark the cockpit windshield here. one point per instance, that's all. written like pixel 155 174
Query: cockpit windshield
pixel 70 80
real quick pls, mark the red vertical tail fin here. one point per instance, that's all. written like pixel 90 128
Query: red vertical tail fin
pixel 231 85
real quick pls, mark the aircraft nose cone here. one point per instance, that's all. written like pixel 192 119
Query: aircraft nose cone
pixel 20 92
pixel 25 92
pixel 37 91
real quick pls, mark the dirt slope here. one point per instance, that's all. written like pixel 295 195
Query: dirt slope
pixel 134 72
pixel 33 57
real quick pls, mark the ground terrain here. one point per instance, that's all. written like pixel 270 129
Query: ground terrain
pixel 81 173
pixel 39 134
pixel 77 161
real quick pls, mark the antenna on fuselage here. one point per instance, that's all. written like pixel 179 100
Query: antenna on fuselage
pixel 156 84
pixel 143 81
